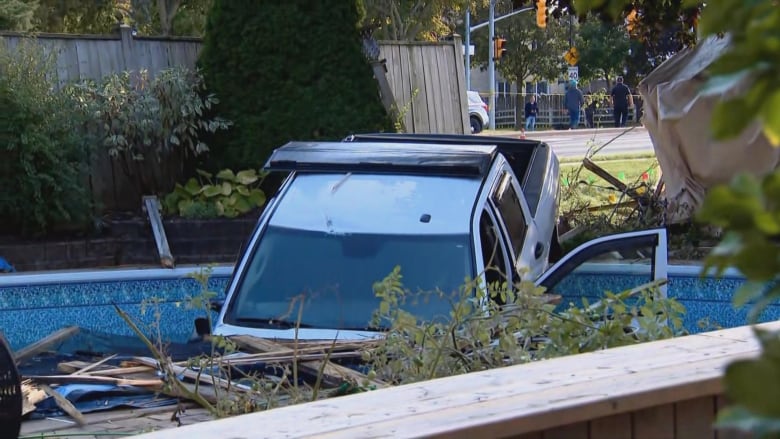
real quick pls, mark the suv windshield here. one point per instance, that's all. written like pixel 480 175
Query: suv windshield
pixel 334 275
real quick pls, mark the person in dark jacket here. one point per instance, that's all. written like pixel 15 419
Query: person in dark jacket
pixel 573 101
pixel 621 95
pixel 590 110
pixel 531 108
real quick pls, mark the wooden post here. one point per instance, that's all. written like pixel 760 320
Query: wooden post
pixel 389 102
pixel 128 55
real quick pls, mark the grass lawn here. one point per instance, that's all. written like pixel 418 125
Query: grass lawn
pixel 592 189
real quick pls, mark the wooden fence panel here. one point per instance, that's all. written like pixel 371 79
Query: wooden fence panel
pixel 428 81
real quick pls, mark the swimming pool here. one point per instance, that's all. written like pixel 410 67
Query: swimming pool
pixel 35 305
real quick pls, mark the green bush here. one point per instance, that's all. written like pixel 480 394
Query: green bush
pixel 227 194
pixel 287 70
pixel 480 334
pixel 149 126
pixel 43 178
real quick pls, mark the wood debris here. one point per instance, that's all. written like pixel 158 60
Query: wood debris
pixel 45 343
pixel 313 359
pixel 31 395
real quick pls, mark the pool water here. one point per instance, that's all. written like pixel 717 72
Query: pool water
pixel 35 305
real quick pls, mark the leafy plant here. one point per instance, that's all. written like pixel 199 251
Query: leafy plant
pixel 149 126
pixel 749 212
pixel 503 325
pixel 225 194
pixel 43 176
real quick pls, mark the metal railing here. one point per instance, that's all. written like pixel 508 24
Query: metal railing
pixel 510 108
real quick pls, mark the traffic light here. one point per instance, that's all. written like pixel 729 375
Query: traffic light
pixel 499 48
pixel 541 13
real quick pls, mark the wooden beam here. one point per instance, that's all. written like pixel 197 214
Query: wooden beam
pixel 41 345
pixel 64 404
pixel 611 179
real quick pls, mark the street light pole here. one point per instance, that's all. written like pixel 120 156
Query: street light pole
pixel 492 64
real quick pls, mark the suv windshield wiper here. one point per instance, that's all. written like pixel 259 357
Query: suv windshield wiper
pixel 271 323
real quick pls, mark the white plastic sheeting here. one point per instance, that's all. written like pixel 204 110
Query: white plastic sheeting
pixel 677 115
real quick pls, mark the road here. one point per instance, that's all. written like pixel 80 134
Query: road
pixel 575 143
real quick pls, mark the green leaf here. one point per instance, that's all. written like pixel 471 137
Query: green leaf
pixel 242 205
pixel 247 176
pixel 747 292
pixel 226 175
pixel 755 385
pixel 192 187
pixel 227 188
pixel 243 190
pixel 257 197
pixel 204 174
pixel 770 114
pixel 731 117
pixel 211 190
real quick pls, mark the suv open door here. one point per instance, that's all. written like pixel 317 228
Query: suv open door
pixel 613 263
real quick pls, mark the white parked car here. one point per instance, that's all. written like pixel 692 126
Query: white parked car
pixel 478 112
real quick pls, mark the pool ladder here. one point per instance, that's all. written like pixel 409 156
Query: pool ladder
pixel 152 207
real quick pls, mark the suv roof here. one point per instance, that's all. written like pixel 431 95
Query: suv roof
pixel 529 159
pixel 391 157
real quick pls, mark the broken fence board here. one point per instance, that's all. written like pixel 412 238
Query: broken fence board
pixel 41 345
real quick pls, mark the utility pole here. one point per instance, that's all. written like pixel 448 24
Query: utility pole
pixel 468 48
pixel 491 47
pixel 492 64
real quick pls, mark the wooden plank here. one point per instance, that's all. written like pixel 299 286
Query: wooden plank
pixel 571 431
pixel 460 91
pixel 654 422
pixel 694 418
pixel 518 399
pixel 36 427
pixel 86 379
pixel 611 427
pixel 41 345
pixel 333 374
pixel 405 57
pixel 64 404
pixel 417 76
pixel 720 403
pixel 95 365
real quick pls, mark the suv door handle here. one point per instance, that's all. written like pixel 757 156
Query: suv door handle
pixel 538 250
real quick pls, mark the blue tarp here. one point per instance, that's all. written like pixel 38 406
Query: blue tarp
pixel 5 267
pixel 89 398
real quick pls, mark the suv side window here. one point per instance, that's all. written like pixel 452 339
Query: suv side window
pixel 507 202
pixel 494 259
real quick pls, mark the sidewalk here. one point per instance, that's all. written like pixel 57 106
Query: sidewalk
pixel 577 132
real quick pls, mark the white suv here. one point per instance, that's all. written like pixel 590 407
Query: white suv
pixel 478 112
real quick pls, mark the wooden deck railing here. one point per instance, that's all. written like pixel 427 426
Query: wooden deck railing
pixel 666 389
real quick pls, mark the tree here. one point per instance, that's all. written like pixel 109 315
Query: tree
pixel 603 49
pixel 287 70
pixel 407 20
pixel 17 14
pixel 77 16
pixel 531 51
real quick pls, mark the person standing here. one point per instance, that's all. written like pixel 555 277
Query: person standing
pixel 621 95
pixel 573 100
pixel 531 108
pixel 590 110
